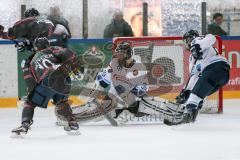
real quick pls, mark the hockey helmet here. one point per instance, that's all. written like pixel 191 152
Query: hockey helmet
pixel 41 43
pixel 189 36
pixel 125 49
pixel 32 12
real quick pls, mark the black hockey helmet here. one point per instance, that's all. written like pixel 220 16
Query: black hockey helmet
pixel 32 12
pixel 189 36
pixel 124 48
pixel 41 43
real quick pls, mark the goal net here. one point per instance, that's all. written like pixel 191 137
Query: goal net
pixel 166 60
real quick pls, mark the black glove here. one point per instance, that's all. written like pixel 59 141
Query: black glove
pixel 196 51
pixel 22 44
pixel 183 96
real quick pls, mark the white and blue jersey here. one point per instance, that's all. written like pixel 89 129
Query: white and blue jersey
pixel 122 81
pixel 209 57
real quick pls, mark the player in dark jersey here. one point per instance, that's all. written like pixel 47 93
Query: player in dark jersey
pixel 34 26
pixel 23 33
pixel 30 28
pixel 50 68
pixel 27 30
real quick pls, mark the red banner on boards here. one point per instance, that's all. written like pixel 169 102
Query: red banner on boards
pixel 231 50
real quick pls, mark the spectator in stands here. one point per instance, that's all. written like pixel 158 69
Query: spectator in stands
pixel 118 27
pixel 215 27
pixel 3 34
pixel 56 18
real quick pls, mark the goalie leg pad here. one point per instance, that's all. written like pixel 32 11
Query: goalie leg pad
pixel 161 108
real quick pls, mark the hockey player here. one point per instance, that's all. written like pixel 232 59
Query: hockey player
pixel 124 82
pixel 23 33
pixel 128 79
pixel 50 68
pixel 122 87
pixel 33 25
pixel 208 72
pixel 30 28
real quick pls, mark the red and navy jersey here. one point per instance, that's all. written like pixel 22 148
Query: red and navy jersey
pixel 47 61
pixel 31 28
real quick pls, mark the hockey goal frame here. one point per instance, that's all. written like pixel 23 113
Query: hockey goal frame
pixel 169 38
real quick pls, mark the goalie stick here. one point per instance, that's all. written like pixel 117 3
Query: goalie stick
pixel 101 108
pixel 105 113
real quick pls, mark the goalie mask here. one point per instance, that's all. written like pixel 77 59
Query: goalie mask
pixel 123 52
pixel 189 36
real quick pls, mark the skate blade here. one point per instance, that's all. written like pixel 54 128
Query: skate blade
pixel 18 136
pixel 73 133
pixel 70 131
pixel 59 123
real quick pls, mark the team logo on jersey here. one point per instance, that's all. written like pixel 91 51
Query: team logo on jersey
pixel 93 56
pixel 121 79
pixel 135 72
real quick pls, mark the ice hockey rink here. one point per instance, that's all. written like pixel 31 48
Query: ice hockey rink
pixel 212 137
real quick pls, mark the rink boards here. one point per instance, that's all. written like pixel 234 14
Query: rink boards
pixel 12 84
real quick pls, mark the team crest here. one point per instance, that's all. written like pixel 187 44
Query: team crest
pixel 93 56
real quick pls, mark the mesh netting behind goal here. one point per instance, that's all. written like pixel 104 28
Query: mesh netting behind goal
pixel 166 60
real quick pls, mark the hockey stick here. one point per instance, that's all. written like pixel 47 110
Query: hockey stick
pixel 105 113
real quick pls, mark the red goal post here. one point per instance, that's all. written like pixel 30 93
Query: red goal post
pixel 172 54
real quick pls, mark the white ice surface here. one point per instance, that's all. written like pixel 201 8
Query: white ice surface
pixel 212 137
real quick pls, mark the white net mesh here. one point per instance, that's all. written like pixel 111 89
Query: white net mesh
pixel 166 60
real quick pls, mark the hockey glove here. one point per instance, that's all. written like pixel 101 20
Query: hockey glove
pixel 140 90
pixel 183 96
pixel 22 45
pixel 196 51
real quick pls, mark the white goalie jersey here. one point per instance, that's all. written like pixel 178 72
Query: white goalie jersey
pixel 210 56
pixel 123 80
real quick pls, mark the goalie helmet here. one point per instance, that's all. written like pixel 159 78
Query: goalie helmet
pixel 125 49
pixel 189 36
pixel 32 12
pixel 41 43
